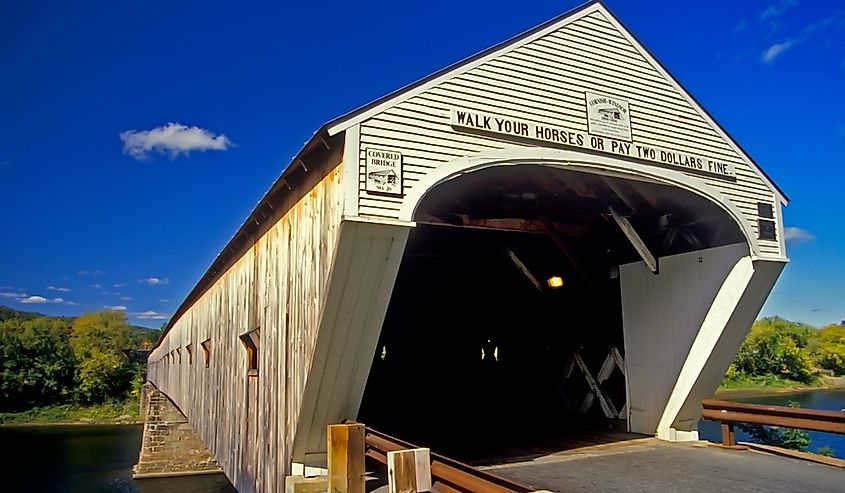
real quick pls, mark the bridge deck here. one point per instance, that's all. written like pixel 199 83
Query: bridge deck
pixel 650 465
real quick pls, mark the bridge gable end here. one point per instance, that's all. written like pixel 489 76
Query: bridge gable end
pixel 536 90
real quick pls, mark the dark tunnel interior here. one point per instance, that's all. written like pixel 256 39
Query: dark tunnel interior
pixel 473 354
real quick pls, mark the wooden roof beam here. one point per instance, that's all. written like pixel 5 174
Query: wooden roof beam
pixel 515 225
pixel 524 270
pixel 636 241
pixel 621 194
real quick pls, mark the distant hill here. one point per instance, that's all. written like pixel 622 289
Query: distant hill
pixel 137 334
pixel 7 313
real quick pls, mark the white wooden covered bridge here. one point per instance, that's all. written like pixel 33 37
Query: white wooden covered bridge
pixel 552 227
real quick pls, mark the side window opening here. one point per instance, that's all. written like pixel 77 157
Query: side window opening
pixel 252 342
pixel 206 349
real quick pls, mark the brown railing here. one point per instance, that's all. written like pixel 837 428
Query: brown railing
pixel 449 476
pixel 732 413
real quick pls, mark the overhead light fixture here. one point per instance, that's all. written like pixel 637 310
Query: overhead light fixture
pixel 555 282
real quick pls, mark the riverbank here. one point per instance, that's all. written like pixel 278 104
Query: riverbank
pixel 115 412
pixel 759 386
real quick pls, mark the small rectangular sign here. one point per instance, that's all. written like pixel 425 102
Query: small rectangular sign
pixel 384 171
pixel 608 116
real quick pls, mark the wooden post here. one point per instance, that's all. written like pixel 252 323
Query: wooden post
pixel 409 471
pixel 346 458
pixel 728 435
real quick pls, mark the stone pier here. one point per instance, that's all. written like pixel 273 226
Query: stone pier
pixel 170 446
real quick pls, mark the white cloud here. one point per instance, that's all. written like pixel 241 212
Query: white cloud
pixel 164 300
pixel 61 290
pixel 775 51
pixel 41 299
pixel 817 30
pixel 155 281
pixel 120 285
pixel 34 299
pixel 797 235
pixel 90 273
pixel 9 294
pixel 151 315
pixel 776 10
pixel 96 286
pixel 119 308
pixel 125 298
pixel 174 139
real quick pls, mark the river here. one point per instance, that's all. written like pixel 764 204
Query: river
pixel 831 400
pixel 99 458
pixel 86 459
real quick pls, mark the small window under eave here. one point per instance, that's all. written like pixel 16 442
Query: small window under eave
pixel 206 350
pixel 252 342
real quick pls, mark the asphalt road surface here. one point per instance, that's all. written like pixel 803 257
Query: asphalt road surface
pixel 650 465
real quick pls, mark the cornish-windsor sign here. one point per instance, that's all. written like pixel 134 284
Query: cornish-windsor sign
pixel 523 130
pixel 608 116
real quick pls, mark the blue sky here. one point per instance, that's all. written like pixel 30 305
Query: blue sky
pixel 94 216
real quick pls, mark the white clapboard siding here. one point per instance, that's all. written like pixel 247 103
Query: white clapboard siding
pixel 279 287
pixel 544 81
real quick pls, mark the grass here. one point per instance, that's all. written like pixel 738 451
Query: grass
pixel 761 382
pixel 126 411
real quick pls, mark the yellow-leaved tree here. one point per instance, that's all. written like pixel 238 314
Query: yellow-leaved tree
pixel 98 340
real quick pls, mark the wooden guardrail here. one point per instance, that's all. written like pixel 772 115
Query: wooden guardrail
pixel 732 413
pixel 410 469
pixel 448 475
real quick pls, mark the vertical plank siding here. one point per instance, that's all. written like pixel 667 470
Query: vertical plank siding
pixel 279 287
pixel 544 81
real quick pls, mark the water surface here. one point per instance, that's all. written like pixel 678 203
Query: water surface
pixel 86 459
pixel 831 400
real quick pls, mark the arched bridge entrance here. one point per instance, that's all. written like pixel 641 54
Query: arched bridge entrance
pixel 507 313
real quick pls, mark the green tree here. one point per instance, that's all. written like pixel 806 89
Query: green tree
pixel 98 340
pixel 776 347
pixel 46 360
pixel 36 362
pixel 103 375
pixel 828 348
pixel 105 331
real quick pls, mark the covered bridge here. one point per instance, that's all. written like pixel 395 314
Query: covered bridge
pixel 552 231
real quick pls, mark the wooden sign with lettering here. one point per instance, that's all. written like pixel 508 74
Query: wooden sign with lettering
pixel 556 136
pixel 384 171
